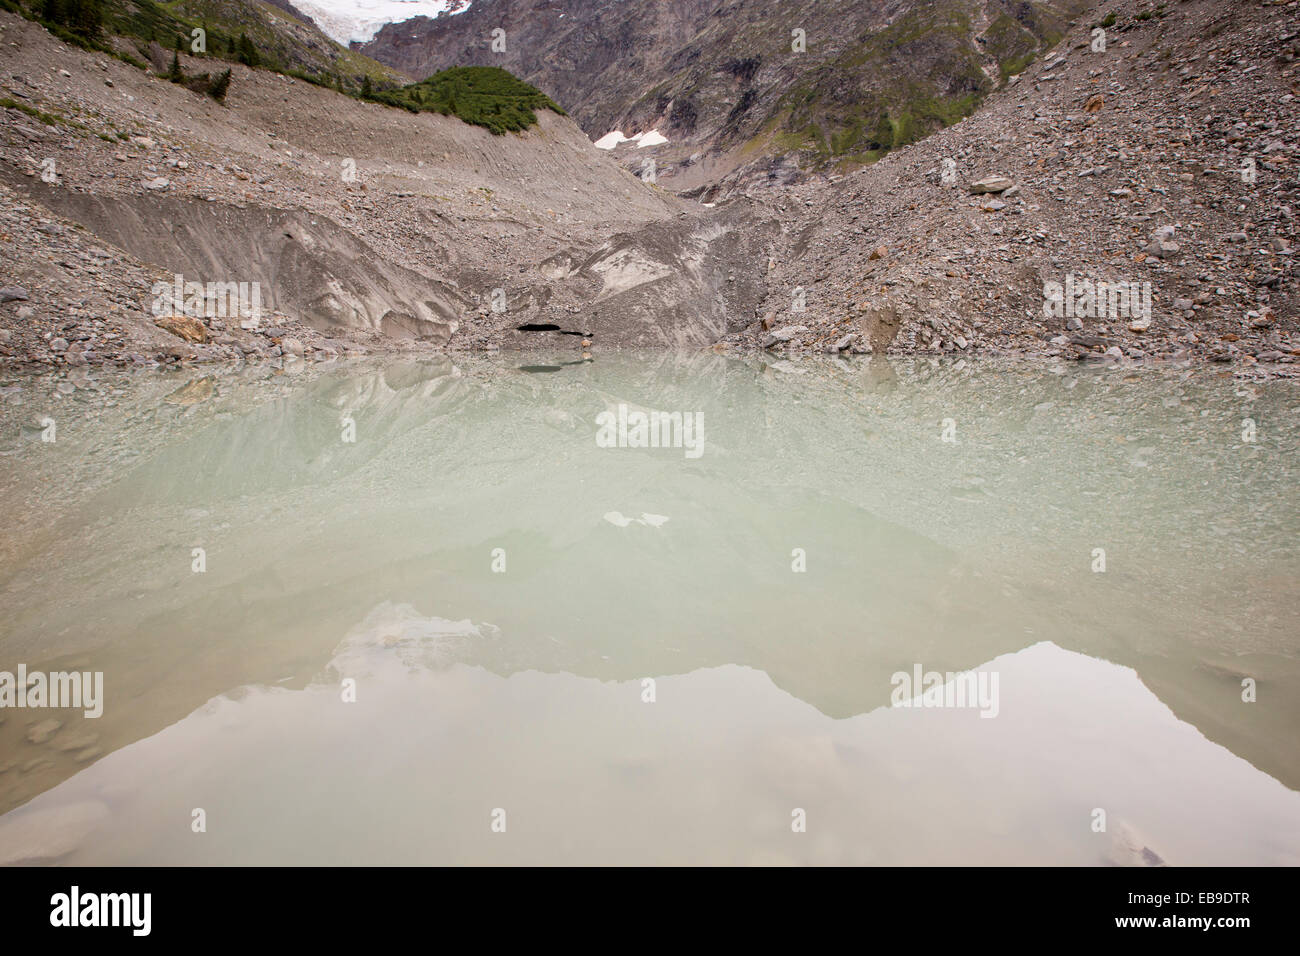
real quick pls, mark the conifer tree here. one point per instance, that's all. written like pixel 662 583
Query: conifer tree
pixel 219 86
pixel 247 52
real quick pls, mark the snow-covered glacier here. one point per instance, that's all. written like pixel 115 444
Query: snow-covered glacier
pixel 357 21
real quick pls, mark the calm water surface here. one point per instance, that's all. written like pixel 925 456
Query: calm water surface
pixel 505 597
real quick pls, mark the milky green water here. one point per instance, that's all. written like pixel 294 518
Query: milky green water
pixel 562 652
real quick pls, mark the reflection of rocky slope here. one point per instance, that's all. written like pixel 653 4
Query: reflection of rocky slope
pixel 907 537
pixel 435 744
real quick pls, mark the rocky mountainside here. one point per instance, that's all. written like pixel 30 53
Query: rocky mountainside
pixel 364 226
pixel 773 84
pixel 1156 154
pixel 1159 151
pixel 282 37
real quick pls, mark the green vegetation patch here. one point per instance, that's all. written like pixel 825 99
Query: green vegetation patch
pixel 486 96
pixel 1013 46
pixel 894 87
pixel 49 119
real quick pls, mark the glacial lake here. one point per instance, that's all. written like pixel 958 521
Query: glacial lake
pixel 431 613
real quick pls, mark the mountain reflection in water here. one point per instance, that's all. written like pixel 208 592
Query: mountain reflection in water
pixel 523 688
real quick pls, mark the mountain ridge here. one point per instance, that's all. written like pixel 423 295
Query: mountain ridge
pixel 744 83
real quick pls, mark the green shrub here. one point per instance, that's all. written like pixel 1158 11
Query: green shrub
pixel 219 87
pixel 486 96
pixel 82 18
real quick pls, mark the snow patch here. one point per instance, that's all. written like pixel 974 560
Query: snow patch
pixel 616 138
pixel 610 140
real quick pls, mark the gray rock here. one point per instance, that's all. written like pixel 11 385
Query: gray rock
pixel 59 345
pixel 1163 249
pixel 784 335
pixel 991 184
pixel 13 294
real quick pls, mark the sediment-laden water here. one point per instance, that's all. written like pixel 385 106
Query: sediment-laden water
pixel 442 614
